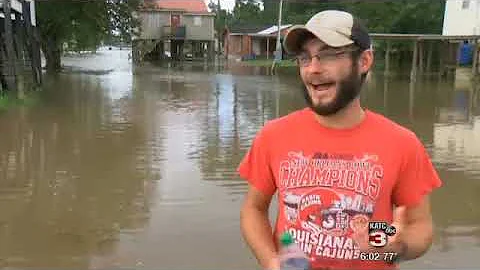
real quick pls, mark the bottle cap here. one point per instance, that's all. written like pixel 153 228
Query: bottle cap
pixel 286 239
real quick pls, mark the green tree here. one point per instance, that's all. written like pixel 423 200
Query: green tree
pixel 247 12
pixel 82 25
pixel 394 16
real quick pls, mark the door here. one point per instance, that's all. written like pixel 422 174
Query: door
pixel 175 20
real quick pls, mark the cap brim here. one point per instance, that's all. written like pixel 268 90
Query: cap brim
pixel 294 38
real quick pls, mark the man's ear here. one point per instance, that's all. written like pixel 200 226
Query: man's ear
pixel 365 61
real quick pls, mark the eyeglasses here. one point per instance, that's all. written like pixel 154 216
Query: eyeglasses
pixel 327 55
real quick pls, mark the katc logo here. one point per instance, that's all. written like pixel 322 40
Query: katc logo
pixel 378 233
pixel 377 239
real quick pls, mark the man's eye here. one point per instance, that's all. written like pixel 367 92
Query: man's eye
pixel 303 57
pixel 330 53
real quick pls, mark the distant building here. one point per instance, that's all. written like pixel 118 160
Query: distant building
pixel 252 42
pixel 175 28
pixel 461 17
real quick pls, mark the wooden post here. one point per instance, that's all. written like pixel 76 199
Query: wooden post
pixel 268 48
pixel 456 54
pixel 429 57
pixel 180 50
pixel 385 95
pixel 227 46
pixel 413 72
pixel 211 50
pixel 19 42
pixel 161 50
pixel 421 55
pixel 174 49
pixel 475 97
pixel 387 58
pixel 475 58
pixel 411 99
pixel 3 59
pixel 441 58
pixel 31 43
pixel 10 52
pixel 36 53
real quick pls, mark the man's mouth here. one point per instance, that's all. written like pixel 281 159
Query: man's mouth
pixel 322 86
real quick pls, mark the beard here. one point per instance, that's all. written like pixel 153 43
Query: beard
pixel 347 90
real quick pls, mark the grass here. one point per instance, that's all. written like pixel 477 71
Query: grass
pixel 3 102
pixel 8 101
pixel 268 63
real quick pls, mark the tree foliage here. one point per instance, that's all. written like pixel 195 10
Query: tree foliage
pixel 83 25
pixel 388 16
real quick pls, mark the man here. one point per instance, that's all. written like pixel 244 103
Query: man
pixel 337 166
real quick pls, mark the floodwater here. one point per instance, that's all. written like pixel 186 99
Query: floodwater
pixel 121 167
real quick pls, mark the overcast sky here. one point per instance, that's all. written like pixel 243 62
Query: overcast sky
pixel 225 4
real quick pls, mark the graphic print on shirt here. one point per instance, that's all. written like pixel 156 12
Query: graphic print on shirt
pixel 326 198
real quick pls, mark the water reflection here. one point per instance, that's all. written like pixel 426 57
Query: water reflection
pixel 133 167
pixel 69 178
pixel 445 115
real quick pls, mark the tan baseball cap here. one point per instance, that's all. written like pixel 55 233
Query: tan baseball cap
pixel 335 28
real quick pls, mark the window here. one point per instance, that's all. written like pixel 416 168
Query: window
pixel 465 4
pixel 197 21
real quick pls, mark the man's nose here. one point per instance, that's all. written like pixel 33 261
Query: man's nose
pixel 316 65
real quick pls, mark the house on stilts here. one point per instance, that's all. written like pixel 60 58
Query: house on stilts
pixel 174 29
pixel 20 61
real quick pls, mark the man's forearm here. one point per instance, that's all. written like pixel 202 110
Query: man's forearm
pixel 415 241
pixel 257 231
pixel 418 239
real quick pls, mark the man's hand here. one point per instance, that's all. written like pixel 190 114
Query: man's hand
pixel 413 237
pixel 395 242
pixel 274 264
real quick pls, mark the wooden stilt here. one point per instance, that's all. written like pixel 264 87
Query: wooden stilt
pixel 211 50
pixel 413 72
pixel 27 24
pixel 180 50
pixel 385 95
pixel 429 57
pixel 33 44
pixel 3 60
pixel 268 48
pixel 19 38
pixel 421 54
pixel 387 58
pixel 10 51
pixel 161 52
pixel 475 58
pixel 441 59
pixel 456 54
pixel 411 98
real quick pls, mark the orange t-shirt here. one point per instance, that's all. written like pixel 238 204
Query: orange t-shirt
pixel 331 182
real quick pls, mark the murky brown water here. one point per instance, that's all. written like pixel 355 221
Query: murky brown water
pixel 136 168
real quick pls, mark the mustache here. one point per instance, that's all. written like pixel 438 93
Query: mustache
pixel 320 79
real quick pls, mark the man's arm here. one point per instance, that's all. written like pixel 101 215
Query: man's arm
pixel 417 233
pixel 256 228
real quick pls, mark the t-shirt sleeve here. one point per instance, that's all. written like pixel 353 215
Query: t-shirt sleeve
pixel 256 166
pixel 417 176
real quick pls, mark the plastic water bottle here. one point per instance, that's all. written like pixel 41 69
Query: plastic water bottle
pixel 291 256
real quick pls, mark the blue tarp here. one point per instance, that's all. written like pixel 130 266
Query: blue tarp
pixel 466 54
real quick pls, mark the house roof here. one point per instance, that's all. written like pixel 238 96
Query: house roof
pixel 264 31
pixel 246 29
pixel 192 6
pixel 273 29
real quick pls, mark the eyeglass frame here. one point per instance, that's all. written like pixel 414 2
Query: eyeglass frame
pixel 333 54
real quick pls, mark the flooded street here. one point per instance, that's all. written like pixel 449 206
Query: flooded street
pixel 122 167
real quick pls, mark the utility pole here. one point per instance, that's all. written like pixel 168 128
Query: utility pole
pixel 476 26
pixel 278 51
